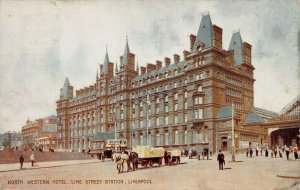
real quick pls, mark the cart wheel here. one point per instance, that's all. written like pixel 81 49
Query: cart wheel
pixel 151 163
pixel 159 162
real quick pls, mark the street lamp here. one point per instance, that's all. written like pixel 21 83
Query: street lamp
pixel 232 132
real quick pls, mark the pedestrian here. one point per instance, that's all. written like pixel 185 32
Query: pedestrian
pixel 32 158
pixel 287 151
pixel 280 153
pixel 261 151
pixel 295 150
pixel 275 152
pixel 21 159
pixel 267 152
pixel 221 159
pixel 251 152
pixel 247 153
pixel 256 151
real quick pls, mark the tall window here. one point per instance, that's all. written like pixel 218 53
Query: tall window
pixel 141 140
pixel 176 96
pixel 141 124
pixel 166 138
pixel 157 121
pixel 166 120
pixel 176 119
pixel 199 114
pixel 166 108
pixel 166 99
pixel 149 139
pixel 176 107
pixel 185 137
pixel 185 94
pixel 157 139
pixel 176 137
pixel 185 117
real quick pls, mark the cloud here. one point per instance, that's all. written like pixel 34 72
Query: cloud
pixel 43 42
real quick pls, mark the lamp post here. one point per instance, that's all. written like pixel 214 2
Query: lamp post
pixel 147 125
pixel 232 132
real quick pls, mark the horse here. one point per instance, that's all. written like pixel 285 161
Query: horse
pixel 120 159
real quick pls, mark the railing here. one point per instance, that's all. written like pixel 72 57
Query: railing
pixel 284 118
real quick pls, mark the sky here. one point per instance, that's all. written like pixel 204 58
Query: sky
pixel 42 42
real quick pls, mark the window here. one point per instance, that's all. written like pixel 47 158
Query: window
pixel 141 124
pixel 157 139
pixel 175 84
pixel 200 88
pixel 185 137
pixel 167 138
pixel 157 121
pixel 176 137
pixel 176 96
pixel 166 99
pixel 166 87
pixel 199 114
pixel 157 100
pixel 157 109
pixel 167 120
pixel 197 77
pixel 122 125
pixel 141 140
pixel 166 108
pixel 176 119
pixel 176 107
pixel 185 118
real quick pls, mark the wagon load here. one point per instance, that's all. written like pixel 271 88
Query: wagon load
pixel 175 152
pixel 149 152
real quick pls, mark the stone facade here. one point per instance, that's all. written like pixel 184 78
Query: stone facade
pixel 175 105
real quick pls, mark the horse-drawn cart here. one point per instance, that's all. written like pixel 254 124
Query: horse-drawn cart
pixel 147 156
pixel 175 156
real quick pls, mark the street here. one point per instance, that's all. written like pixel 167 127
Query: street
pixel 251 173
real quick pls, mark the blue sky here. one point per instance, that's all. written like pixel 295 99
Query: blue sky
pixel 42 42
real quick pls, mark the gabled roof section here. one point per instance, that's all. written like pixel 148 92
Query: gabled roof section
pixel 51 117
pixel 205 34
pixel 225 112
pixel 64 91
pixel 254 118
pixel 236 44
pixel 105 64
pixel 126 53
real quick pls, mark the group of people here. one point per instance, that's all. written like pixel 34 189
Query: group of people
pixel 32 159
pixel 275 151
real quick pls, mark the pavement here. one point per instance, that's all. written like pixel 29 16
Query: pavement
pixel 252 173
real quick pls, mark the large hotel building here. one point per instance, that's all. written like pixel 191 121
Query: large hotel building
pixel 182 103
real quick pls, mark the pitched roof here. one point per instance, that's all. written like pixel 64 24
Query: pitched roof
pixel 126 53
pixel 225 112
pixel 236 44
pixel 254 118
pixel 51 117
pixel 105 64
pixel 64 92
pixel 204 34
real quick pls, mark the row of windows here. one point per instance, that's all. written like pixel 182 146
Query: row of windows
pixel 233 92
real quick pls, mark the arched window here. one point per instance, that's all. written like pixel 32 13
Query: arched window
pixel 166 98
pixel 200 88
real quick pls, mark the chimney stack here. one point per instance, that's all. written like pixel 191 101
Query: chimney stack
pixel 150 67
pixel 192 41
pixel 167 61
pixel 158 65
pixel 185 54
pixel 176 58
pixel 143 70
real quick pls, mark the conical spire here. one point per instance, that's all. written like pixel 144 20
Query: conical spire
pixel 126 53
pixel 116 67
pixel 205 34
pixel 105 64
pixel 64 91
pixel 137 66
pixel 236 44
